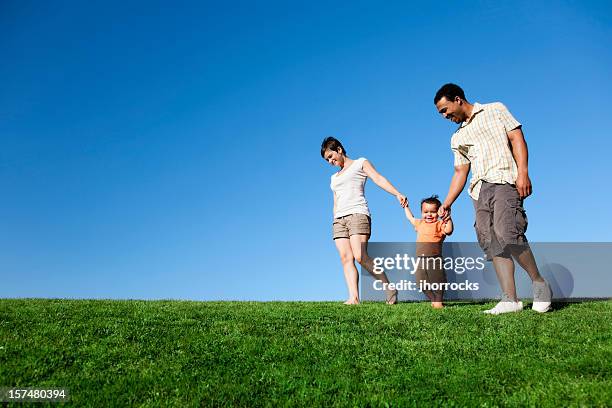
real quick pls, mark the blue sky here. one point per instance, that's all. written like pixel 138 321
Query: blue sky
pixel 162 150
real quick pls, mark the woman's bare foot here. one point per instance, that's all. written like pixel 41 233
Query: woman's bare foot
pixel 352 302
pixel 392 298
pixel 437 305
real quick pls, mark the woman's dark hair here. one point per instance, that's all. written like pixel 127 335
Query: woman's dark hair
pixel 450 92
pixel 331 143
pixel 431 200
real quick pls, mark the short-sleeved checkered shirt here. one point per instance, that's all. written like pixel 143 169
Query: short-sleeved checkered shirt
pixel 483 142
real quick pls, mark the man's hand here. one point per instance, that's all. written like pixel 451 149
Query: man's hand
pixel 523 185
pixel 403 200
pixel 445 212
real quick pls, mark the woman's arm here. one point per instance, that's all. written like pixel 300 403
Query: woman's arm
pixel 334 214
pixel 383 183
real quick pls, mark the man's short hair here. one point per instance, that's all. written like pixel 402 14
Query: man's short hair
pixel 450 92
pixel 431 200
pixel 331 143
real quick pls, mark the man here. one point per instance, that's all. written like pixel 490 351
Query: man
pixel 490 142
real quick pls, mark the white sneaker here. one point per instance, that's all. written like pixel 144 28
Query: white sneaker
pixel 505 306
pixel 542 297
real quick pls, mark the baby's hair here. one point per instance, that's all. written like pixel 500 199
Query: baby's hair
pixel 331 143
pixel 431 200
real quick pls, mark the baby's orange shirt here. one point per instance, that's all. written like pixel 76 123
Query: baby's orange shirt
pixel 429 232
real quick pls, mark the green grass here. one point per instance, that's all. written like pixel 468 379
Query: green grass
pixel 175 353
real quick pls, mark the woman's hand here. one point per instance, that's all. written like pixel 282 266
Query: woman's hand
pixel 403 200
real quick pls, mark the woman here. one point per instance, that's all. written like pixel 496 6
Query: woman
pixel 352 223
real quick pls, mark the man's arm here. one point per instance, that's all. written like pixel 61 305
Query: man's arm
pixel 456 187
pixel 521 156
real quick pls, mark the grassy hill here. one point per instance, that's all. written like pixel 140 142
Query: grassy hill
pixel 180 353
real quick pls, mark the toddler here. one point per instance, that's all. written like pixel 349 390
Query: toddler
pixel 430 233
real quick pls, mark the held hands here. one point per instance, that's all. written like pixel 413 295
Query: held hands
pixel 444 212
pixel 403 200
pixel 523 185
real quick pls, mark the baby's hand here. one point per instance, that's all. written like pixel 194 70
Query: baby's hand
pixel 444 212
pixel 403 200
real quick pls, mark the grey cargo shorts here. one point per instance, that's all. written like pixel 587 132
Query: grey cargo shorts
pixel 500 219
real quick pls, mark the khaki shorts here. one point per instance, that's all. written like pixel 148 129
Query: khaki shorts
pixel 353 224
pixel 500 219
